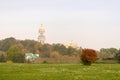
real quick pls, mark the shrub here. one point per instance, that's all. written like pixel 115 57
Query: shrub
pixel 88 56
pixel 2 56
pixel 44 62
pixel 9 62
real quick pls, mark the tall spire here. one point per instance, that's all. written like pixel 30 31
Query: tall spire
pixel 41 37
pixel 41 30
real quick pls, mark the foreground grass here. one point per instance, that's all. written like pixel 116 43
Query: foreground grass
pixel 59 72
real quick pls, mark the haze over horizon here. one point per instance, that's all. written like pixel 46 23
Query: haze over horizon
pixel 91 23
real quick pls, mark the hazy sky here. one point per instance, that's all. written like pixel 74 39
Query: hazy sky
pixel 91 23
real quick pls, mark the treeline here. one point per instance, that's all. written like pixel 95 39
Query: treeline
pixel 14 50
pixel 11 49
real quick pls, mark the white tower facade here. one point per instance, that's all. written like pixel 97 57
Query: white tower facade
pixel 41 37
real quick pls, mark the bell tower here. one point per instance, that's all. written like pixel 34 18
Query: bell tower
pixel 41 37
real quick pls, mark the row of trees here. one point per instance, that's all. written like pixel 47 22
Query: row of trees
pixel 14 50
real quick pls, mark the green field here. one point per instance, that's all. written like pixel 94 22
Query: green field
pixel 59 72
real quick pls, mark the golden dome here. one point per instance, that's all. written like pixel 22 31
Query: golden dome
pixel 42 29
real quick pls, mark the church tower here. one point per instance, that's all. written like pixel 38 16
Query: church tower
pixel 41 37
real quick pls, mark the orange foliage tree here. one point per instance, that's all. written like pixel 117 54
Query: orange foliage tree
pixel 88 56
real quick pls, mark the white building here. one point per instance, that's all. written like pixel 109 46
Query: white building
pixel 71 44
pixel 41 37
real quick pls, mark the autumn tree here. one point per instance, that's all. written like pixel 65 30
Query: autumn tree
pixel 88 56
pixel 45 50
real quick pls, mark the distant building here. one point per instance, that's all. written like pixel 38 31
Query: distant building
pixel 71 44
pixel 30 57
pixel 41 37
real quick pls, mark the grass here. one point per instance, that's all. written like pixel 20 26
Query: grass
pixel 15 71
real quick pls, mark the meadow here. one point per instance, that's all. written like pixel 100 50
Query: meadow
pixel 16 71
